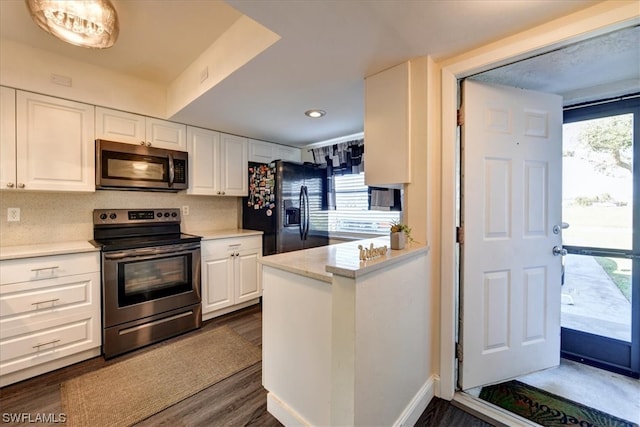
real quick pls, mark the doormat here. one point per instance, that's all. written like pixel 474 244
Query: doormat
pixel 129 391
pixel 545 408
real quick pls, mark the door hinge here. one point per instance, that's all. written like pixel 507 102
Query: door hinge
pixel 460 235
pixel 459 352
pixel 460 118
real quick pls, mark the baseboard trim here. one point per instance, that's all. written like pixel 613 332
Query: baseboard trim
pixel 488 412
pixel 283 413
pixel 418 404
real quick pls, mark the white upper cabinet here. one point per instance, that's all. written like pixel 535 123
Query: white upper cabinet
pixel 54 145
pixel 266 152
pixel 217 163
pixel 7 138
pixel 260 151
pixel 121 126
pixel 234 178
pixel 291 154
pixel 387 127
pixel 203 146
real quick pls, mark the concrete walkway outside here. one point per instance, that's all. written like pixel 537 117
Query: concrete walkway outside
pixel 598 305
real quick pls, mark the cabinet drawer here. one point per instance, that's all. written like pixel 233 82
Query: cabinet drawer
pixel 75 334
pixel 219 247
pixel 48 267
pixel 51 295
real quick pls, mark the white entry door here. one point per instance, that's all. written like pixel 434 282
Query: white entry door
pixel 511 221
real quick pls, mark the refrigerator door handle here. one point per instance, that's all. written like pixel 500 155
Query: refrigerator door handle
pixel 302 221
pixel 307 213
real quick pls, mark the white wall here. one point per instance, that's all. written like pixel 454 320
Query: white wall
pixel 24 67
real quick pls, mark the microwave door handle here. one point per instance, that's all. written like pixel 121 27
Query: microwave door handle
pixel 172 171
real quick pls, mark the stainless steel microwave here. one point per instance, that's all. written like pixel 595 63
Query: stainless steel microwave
pixel 122 166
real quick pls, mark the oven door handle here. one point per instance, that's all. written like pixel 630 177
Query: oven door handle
pixel 154 251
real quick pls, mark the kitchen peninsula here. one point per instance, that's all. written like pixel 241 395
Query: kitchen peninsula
pixel 347 341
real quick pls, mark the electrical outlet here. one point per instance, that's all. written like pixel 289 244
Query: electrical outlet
pixel 185 210
pixel 13 214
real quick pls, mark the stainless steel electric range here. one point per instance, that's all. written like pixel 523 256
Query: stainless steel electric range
pixel 150 277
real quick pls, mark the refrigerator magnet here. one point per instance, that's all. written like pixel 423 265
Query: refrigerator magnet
pixel 269 212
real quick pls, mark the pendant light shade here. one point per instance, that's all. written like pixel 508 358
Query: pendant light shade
pixel 86 23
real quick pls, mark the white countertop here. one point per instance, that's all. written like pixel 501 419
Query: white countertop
pixel 77 246
pixel 342 259
pixel 46 249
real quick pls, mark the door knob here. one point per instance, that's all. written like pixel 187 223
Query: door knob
pixel 559 251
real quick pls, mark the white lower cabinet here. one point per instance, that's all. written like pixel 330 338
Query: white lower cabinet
pixel 49 313
pixel 231 276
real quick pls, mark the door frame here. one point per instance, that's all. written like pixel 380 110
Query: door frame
pixel 596 20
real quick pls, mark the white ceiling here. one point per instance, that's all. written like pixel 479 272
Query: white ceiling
pixel 325 51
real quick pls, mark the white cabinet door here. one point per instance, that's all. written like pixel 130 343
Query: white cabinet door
pixel 54 144
pixel 291 154
pixel 164 134
pixel 203 146
pixel 217 283
pixel 260 151
pixel 120 126
pixel 7 138
pixel 230 274
pixel 247 276
pixel 233 166
pixel 386 126
pixel 266 152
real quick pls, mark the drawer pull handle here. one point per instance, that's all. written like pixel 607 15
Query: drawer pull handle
pixel 37 346
pixel 45 268
pixel 52 301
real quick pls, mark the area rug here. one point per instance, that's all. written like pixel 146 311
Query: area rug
pixel 129 391
pixel 545 408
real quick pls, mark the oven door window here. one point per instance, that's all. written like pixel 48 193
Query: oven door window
pixel 134 167
pixel 149 279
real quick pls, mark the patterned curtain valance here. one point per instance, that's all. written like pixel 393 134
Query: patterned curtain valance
pixel 341 159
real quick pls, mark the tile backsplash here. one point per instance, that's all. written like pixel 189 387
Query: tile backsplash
pixel 47 217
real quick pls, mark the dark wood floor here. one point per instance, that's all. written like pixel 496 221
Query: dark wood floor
pixel 239 400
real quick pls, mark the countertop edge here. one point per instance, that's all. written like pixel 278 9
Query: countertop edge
pixel 379 263
pixel 328 278
pixel 79 246
pixel 224 234
pixel 46 249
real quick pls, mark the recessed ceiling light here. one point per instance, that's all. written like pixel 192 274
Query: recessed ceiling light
pixel 315 114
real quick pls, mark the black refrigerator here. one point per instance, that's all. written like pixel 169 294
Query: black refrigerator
pixel 288 202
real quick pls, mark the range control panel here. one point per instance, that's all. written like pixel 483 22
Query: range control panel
pixel 136 216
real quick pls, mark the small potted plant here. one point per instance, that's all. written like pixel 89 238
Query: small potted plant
pixel 400 233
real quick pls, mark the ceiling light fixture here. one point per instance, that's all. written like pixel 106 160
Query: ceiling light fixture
pixel 315 114
pixel 86 23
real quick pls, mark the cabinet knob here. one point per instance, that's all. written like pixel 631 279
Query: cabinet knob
pixel 219 192
pixel 223 193
pixel 20 185
pixel 142 143
pixel 10 184
pixel 148 144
